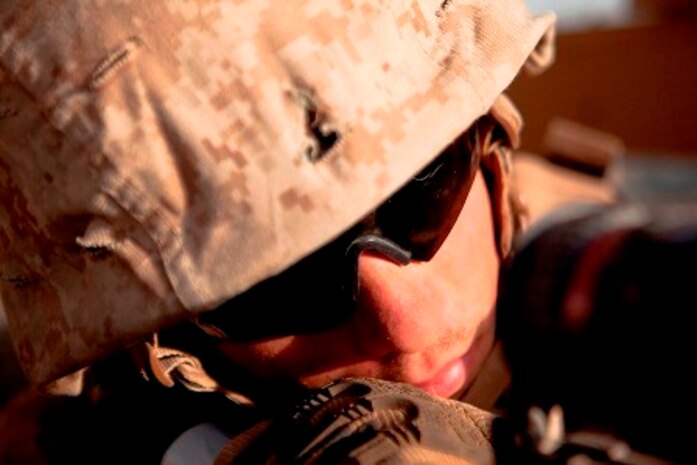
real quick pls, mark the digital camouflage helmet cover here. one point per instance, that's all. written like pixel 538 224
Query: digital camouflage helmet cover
pixel 158 158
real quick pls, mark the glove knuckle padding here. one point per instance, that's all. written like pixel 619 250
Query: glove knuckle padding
pixel 366 421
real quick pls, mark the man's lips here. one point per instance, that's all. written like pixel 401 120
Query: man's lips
pixel 449 380
pixel 452 378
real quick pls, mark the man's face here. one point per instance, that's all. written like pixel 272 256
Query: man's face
pixel 428 323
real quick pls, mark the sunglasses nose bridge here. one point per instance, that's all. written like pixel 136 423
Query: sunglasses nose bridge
pixel 376 243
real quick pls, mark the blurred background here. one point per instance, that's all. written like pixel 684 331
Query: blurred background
pixel 626 67
pixel 619 106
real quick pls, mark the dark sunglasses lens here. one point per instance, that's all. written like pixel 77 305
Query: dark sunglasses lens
pixel 421 215
pixel 318 292
pixel 312 295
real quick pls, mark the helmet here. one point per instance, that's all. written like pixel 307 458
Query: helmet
pixel 160 158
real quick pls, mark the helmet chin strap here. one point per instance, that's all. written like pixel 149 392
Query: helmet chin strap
pixel 169 366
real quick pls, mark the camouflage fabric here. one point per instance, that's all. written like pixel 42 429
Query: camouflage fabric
pixel 160 157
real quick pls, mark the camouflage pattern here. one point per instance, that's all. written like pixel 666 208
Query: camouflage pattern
pixel 160 157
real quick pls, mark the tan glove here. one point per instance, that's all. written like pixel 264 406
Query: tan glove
pixel 368 421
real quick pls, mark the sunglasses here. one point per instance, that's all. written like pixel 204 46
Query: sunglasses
pixel 321 290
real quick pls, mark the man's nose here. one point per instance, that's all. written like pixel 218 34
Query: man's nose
pixel 400 309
